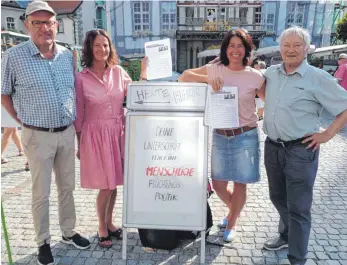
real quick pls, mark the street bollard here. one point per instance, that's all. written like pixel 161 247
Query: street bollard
pixel 3 221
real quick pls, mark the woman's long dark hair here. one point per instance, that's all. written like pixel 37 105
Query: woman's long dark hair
pixel 246 40
pixel 87 50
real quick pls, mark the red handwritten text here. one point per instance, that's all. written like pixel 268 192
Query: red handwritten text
pixel 169 171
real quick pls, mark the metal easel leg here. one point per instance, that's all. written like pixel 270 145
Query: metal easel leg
pixel 124 247
pixel 203 245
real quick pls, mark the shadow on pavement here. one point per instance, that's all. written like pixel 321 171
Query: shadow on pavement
pixel 188 252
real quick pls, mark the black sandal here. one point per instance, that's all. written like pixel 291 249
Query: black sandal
pixel 118 234
pixel 27 168
pixel 102 240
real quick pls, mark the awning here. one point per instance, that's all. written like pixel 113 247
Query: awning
pixel 274 50
pixel 206 53
pixel 266 51
pixel 329 50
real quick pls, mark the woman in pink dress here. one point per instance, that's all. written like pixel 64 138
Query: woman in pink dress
pixel 100 91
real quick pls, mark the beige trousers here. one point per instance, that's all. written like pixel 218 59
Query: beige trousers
pixel 46 151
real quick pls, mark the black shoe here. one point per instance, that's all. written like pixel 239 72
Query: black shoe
pixel 275 244
pixel 78 241
pixel 45 256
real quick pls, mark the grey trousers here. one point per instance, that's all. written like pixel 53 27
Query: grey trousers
pixel 291 175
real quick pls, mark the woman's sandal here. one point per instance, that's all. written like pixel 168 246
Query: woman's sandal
pixel 102 241
pixel 118 234
pixel 27 168
pixel 20 153
pixel 4 161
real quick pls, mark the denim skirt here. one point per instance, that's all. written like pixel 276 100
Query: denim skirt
pixel 236 158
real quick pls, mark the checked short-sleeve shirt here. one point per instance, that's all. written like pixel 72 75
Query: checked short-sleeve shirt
pixel 42 90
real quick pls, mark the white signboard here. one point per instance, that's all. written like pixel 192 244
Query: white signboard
pixel 165 171
pixel 166 96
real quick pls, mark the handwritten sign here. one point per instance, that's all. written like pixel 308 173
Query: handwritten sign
pixel 165 171
pixel 166 96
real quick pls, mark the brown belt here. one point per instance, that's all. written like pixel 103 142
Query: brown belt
pixel 234 132
pixel 59 129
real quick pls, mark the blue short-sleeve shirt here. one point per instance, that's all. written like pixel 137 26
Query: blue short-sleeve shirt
pixel 293 102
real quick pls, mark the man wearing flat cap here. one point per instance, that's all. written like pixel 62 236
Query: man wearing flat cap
pixel 37 90
pixel 341 73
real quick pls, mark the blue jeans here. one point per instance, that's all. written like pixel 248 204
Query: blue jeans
pixel 236 158
pixel 291 175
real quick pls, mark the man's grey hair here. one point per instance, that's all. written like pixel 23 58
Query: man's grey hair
pixel 298 31
pixel 262 65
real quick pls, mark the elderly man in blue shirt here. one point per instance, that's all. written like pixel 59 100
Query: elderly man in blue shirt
pixel 295 95
pixel 38 91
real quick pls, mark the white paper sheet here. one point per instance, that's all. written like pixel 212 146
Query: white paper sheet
pixel 159 59
pixel 222 108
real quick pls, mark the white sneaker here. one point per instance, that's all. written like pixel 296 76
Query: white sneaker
pixel 230 235
pixel 223 223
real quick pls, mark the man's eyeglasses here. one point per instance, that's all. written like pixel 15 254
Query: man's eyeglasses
pixel 38 24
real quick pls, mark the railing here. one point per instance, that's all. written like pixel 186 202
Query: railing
pixel 238 3
pixel 204 24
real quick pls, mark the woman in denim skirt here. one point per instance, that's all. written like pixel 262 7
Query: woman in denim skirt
pixel 235 151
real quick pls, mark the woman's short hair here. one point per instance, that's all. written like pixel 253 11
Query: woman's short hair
pixel 87 49
pixel 246 40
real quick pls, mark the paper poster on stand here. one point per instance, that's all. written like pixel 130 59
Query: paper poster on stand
pixel 167 163
pixel 165 181
pixel 222 109
pixel 159 59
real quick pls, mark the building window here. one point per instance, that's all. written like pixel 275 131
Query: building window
pixel 319 20
pixel 189 16
pixel 257 15
pixel 270 22
pixel 100 18
pixel 211 14
pixel 290 19
pixel 168 15
pixel 10 23
pixel 60 26
pixel 222 14
pixel 141 16
pixel 243 14
pixel 296 12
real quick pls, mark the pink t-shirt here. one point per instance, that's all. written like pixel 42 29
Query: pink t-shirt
pixel 248 81
pixel 341 74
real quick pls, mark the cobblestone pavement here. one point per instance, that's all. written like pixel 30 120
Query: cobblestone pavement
pixel 258 221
